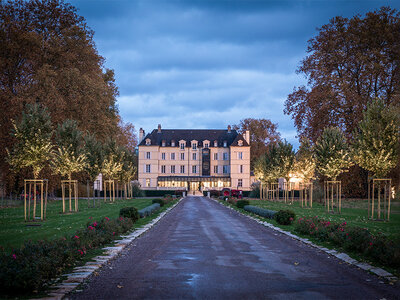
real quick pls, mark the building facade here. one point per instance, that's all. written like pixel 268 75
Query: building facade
pixel 194 159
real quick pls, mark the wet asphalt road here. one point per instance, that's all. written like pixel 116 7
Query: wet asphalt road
pixel 202 250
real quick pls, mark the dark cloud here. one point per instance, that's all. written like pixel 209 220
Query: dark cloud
pixel 207 64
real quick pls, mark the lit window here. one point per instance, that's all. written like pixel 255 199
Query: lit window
pixel 225 169
pixel 182 156
pixel 240 155
pixel 215 156
pixel 216 169
pixel 163 156
pixel 194 156
pixel 172 156
pixel 172 169
pixel 225 155
pixel 182 169
pixel 163 169
pixel 194 169
pixel 148 155
pixel 147 182
pixel 225 144
pixel 240 183
pixel 148 169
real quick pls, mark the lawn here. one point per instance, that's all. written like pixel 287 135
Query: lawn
pixel 14 231
pixel 354 212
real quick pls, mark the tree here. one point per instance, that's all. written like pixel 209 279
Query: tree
pixel 305 160
pixel 262 133
pixel 113 160
pixel 349 63
pixel 129 168
pixel 126 136
pixel 266 167
pixel 70 156
pixel 94 156
pixel 376 141
pixel 33 147
pixel 48 56
pixel 332 153
pixel 285 159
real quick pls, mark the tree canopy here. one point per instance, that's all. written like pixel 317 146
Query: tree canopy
pixel 262 133
pixel 349 62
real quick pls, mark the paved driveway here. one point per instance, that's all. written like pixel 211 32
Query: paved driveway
pixel 203 250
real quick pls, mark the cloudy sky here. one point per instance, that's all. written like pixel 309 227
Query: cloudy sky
pixel 207 64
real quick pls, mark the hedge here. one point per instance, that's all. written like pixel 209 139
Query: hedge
pixel 260 211
pixel 147 211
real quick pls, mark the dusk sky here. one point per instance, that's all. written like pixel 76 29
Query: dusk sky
pixel 207 64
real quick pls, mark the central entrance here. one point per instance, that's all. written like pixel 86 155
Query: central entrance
pixel 194 186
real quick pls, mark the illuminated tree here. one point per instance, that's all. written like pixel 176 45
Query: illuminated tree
pixel 305 161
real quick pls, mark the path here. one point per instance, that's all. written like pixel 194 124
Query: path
pixel 203 250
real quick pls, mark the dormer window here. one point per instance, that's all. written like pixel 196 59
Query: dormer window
pixel 206 144
pixel 240 143
pixel 182 145
pixel 163 143
pixel 194 145
pixel 172 143
pixel 225 144
pixel 215 143
pixel 148 142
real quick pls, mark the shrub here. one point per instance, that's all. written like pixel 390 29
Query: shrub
pixel 32 266
pixel 168 199
pixel 285 217
pixel 266 213
pixel 230 200
pixel 159 201
pixel 147 211
pixel 242 203
pixel 129 212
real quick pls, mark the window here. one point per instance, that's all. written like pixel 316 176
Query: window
pixel 163 156
pixel 172 169
pixel 148 155
pixel 182 145
pixel 147 182
pixel 172 156
pixel 148 142
pixel 240 183
pixel 182 156
pixel 225 155
pixel 241 169
pixel 215 144
pixel 194 156
pixel 182 169
pixel 172 143
pixel 225 144
pixel 206 145
pixel 163 169
pixel 194 169
pixel 216 169
pixel 225 169
pixel 194 146
pixel 240 155
pixel 215 156
pixel 240 143
pixel 163 143
pixel 148 169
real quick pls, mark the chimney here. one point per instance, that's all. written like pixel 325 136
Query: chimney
pixel 229 128
pixel 141 134
pixel 159 128
pixel 247 136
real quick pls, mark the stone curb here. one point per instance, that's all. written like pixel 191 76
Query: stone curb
pixel 81 273
pixel 342 256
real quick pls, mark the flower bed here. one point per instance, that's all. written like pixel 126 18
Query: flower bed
pixel 357 239
pixel 32 266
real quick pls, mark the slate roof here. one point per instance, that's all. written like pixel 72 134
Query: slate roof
pixel 188 135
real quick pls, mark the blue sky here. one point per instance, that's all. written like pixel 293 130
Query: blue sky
pixel 207 64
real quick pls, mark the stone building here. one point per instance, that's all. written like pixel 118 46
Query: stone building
pixel 194 159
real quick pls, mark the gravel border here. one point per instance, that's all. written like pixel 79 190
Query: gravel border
pixel 389 277
pixel 81 273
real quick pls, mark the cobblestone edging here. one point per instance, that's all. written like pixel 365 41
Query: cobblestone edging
pixel 80 274
pixel 342 256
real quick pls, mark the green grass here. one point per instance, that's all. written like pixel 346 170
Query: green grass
pixel 14 231
pixel 354 212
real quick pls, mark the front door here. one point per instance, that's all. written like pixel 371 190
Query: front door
pixel 194 186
